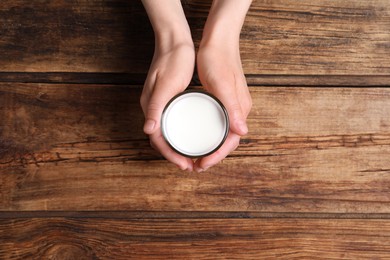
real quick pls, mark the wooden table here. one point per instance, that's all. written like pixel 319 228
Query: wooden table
pixel 78 179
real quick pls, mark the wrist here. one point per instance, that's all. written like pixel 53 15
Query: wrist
pixel 173 36
pixel 224 23
pixel 169 23
pixel 220 35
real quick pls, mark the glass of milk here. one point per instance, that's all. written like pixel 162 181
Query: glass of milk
pixel 195 123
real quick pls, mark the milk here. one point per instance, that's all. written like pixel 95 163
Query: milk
pixel 195 124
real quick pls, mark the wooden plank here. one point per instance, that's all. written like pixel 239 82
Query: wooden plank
pixel 284 37
pixel 332 37
pixel 72 147
pixel 75 36
pixel 67 238
pixel 263 185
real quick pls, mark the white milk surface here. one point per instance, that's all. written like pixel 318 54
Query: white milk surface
pixel 194 124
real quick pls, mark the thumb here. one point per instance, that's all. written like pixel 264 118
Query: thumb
pixel 160 97
pixel 226 92
pixel 236 117
pixel 152 119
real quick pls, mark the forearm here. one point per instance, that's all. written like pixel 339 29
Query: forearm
pixel 168 21
pixel 225 21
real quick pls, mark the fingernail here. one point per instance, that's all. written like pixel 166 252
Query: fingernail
pixel 182 167
pixel 242 126
pixel 149 125
pixel 198 169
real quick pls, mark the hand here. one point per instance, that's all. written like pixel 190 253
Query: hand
pixel 219 68
pixel 220 71
pixel 169 74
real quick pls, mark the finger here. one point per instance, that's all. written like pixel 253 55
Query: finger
pixel 225 90
pixel 159 144
pixel 147 91
pixel 231 143
pixel 236 117
pixel 244 96
pixel 161 95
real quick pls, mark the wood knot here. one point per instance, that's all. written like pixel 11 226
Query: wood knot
pixel 41 96
pixel 69 252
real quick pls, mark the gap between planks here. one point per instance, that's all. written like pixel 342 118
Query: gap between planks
pixel 252 79
pixel 187 215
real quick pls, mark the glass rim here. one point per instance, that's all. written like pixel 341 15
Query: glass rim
pixel 226 117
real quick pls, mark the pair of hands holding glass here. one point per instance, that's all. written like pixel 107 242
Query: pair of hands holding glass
pixel 219 69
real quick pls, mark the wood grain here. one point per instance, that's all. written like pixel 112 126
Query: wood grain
pixel 76 36
pixel 67 147
pixel 308 37
pixel 284 37
pixel 78 179
pixel 67 238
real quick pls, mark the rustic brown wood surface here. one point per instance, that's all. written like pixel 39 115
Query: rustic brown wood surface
pixel 78 179
pixel 70 238
pixel 80 147
pixel 284 37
